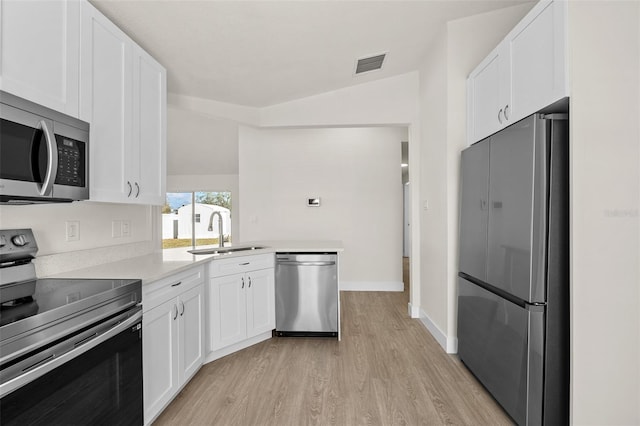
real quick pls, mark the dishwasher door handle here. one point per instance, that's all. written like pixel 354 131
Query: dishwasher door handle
pixel 294 263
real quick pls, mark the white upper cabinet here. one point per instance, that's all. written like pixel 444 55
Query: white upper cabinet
pixel 525 73
pixel 537 48
pixel 148 154
pixel 484 96
pixel 106 102
pixel 39 52
pixel 123 97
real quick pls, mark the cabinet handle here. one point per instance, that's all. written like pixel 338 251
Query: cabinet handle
pixel 500 116
pixel 182 305
pixel 242 282
pixel 130 189
pixel 176 284
pixel 245 264
pixel 506 112
pixel 249 281
pixel 175 314
pixel 138 189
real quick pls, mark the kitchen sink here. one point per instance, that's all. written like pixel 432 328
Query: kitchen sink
pixel 222 250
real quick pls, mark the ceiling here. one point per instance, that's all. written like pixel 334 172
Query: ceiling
pixel 260 53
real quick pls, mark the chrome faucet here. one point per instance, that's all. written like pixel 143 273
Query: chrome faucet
pixel 220 235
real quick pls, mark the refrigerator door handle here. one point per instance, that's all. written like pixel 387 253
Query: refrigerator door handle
pixel 495 290
pixel 535 307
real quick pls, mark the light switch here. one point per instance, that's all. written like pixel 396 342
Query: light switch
pixel 126 228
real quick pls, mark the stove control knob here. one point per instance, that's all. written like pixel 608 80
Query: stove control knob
pixel 3 241
pixel 20 240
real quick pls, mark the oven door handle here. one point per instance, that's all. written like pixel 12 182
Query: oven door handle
pixel 39 368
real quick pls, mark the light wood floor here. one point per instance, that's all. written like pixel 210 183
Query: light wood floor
pixel 387 370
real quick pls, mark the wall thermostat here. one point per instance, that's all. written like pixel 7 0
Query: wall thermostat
pixel 313 202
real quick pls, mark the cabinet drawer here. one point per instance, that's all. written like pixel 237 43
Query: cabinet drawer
pixel 240 264
pixel 167 288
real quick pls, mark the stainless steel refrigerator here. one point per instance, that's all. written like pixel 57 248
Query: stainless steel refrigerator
pixel 513 285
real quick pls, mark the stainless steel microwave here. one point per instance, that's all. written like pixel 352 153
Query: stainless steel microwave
pixel 44 154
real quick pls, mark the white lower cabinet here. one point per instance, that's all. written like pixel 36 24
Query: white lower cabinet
pixel 173 336
pixel 241 298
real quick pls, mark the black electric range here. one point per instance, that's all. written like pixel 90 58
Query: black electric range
pixel 35 312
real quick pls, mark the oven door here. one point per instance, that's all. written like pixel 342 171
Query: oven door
pixel 97 381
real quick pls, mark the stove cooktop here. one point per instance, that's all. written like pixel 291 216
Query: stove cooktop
pixel 58 294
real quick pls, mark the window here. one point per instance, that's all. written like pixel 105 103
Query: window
pixel 189 219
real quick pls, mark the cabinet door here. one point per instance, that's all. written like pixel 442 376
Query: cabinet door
pixel 474 210
pixel 105 102
pixel 227 311
pixel 147 157
pixel 191 335
pixel 261 316
pixel 537 50
pixel 160 355
pixel 39 52
pixel 483 92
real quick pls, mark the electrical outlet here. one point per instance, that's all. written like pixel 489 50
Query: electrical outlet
pixel 116 229
pixel 126 228
pixel 72 230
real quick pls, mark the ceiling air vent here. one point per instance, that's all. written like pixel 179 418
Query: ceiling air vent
pixel 370 63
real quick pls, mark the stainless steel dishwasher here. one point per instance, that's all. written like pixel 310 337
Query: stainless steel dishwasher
pixel 306 294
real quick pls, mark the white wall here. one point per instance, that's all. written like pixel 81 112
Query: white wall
pixel 605 205
pixel 193 122
pixel 460 46
pixel 388 101
pixel 434 240
pixel 199 144
pixel 355 171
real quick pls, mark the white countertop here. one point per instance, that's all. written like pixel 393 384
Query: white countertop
pixel 155 266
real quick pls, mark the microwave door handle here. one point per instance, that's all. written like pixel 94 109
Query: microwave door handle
pixel 52 159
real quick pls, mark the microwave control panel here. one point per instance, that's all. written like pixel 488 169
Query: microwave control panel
pixel 71 162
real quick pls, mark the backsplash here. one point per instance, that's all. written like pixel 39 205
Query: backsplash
pixel 96 242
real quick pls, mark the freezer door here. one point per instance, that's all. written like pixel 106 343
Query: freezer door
pixel 502 344
pixel 474 210
pixel 518 210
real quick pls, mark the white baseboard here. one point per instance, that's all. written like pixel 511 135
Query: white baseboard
pixel 414 311
pixel 449 344
pixel 371 286
pixel 212 356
